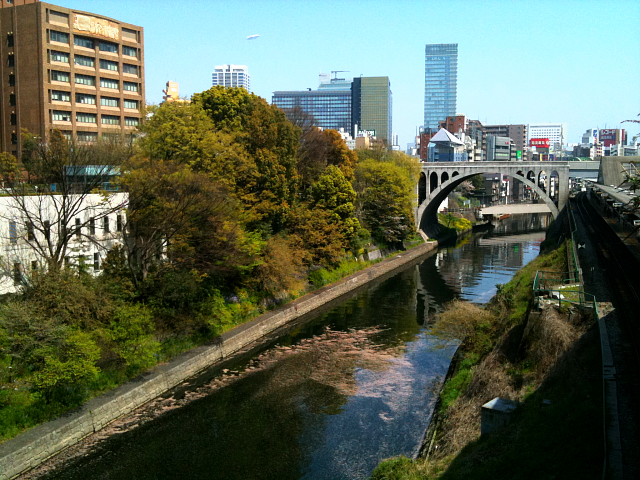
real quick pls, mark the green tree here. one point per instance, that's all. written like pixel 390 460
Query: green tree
pixel 333 193
pixel 385 198
pixel 269 139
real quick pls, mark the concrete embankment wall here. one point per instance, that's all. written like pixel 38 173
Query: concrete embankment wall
pixel 36 445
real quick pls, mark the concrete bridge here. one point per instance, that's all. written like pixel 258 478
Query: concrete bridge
pixel 438 179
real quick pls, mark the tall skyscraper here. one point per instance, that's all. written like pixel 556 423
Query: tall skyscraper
pixel 440 83
pixel 78 72
pixel 231 76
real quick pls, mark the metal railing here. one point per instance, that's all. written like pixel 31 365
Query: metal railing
pixel 549 286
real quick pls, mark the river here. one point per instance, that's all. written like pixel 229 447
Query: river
pixel 332 396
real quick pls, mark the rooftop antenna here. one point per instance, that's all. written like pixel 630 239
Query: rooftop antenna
pixel 335 75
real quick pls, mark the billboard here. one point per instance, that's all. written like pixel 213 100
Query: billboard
pixel 610 136
pixel 539 142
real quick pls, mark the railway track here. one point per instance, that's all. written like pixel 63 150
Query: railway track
pixel 612 273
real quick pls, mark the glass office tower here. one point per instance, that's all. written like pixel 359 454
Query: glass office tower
pixel 372 106
pixel 440 83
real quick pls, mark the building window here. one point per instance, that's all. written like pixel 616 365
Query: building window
pixel 84 61
pixel 34 265
pixel 85 99
pixel 86 117
pixel 59 56
pixel 78 229
pixel 85 79
pixel 60 37
pixel 46 227
pixel 60 76
pixel 130 86
pixel 11 61
pixel 12 80
pixel 96 261
pixel 60 116
pixel 131 122
pixel 131 69
pixel 9 40
pixel 118 223
pixel 14 139
pixel 108 65
pixel 30 232
pixel 87 136
pixel 17 273
pixel 131 104
pixel 14 119
pixel 108 47
pixel 83 42
pixel 129 51
pixel 105 224
pixel 12 99
pixel 13 232
pixel 92 226
pixel 110 120
pixel 60 96
pixel 109 102
pixel 109 83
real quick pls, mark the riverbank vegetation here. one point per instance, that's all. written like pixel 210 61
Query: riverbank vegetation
pixel 232 210
pixel 550 363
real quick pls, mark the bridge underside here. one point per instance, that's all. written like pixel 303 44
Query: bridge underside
pixel 438 180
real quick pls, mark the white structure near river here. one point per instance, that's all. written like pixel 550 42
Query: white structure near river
pixel 30 227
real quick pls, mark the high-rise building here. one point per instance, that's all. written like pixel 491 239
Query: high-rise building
pixel 78 72
pixel 231 76
pixel 371 106
pixel 440 83
pixel 363 104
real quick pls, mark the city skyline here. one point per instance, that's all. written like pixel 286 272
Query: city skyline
pixel 537 62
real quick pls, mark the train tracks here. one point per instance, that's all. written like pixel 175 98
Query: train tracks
pixel 612 274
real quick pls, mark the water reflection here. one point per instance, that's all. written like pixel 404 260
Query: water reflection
pixel 333 397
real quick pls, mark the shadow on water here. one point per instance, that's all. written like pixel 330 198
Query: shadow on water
pixel 329 397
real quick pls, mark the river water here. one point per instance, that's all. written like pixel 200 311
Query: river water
pixel 335 394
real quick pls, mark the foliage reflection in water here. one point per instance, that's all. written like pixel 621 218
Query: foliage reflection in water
pixel 332 397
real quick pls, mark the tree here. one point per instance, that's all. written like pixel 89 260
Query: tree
pixel 55 195
pixel 269 139
pixel 181 219
pixel 333 193
pixel 385 198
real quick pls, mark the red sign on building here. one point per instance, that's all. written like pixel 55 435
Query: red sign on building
pixel 539 142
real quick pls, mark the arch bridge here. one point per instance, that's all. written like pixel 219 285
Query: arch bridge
pixel 438 179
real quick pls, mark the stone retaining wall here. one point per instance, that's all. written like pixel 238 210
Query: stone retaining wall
pixel 36 445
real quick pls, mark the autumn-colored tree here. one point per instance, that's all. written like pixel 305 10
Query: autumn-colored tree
pixel 183 219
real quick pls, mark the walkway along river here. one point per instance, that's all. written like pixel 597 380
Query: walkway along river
pixel 331 397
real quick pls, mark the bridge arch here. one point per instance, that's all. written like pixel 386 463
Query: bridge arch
pixel 529 175
pixel 444 177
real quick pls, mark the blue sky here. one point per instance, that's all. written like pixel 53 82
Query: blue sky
pixel 576 62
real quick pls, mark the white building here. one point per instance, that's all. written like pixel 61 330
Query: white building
pixel 555 132
pixel 96 225
pixel 231 76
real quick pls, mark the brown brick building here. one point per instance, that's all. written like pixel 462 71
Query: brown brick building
pixel 79 72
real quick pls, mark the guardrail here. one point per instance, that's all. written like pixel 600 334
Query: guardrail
pixel 549 285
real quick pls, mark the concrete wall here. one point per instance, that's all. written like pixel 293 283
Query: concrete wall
pixel 36 445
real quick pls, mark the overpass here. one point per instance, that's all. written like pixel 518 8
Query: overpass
pixel 438 179
pixel 517 208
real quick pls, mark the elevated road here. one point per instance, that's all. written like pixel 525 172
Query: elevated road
pixel 516 208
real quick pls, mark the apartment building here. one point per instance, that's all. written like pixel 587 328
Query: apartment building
pixel 79 72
